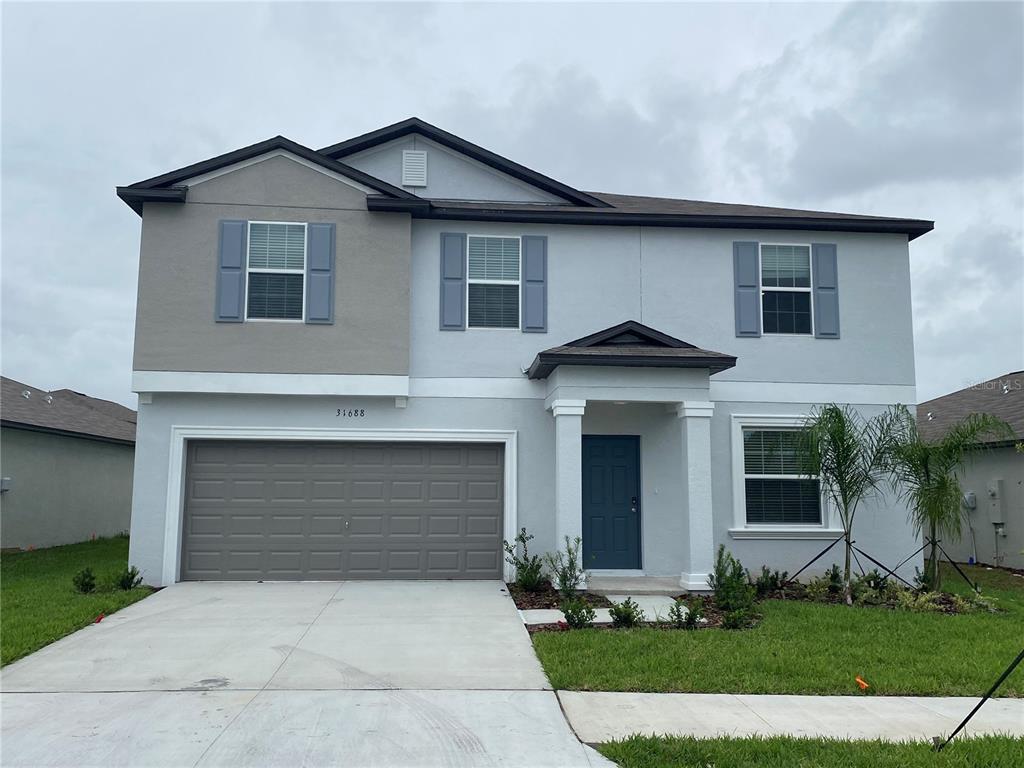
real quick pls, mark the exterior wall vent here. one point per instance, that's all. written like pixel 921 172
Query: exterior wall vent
pixel 414 168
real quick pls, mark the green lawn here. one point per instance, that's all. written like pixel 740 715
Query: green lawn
pixel 807 648
pixel 38 603
pixel 787 752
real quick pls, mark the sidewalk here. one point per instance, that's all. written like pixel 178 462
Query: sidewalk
pixel 602 716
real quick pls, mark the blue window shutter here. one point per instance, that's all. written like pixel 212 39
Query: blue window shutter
pixel 453 281
pixel 825 267
pixel 747 289
pixel 320 273
pixel 231 272
pixel 535 284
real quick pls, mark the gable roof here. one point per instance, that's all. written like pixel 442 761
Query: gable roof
pixel 478 153
pixel 65 412
pixel 166 188
pixel 1002 397
pixel 629 344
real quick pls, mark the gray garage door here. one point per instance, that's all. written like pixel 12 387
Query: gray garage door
pixel 297 510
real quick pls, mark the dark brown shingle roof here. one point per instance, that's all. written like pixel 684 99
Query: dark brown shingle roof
pixel 1003 397
pixel 64 411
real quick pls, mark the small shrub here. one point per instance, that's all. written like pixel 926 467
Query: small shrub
pixel 922 581
pixel 835 580
pixel 678 614
pixel 566 571
pixel 129 578
pixel 578 613
pixel 84 581
pixel 918 602
pixel 695 614
pixel 768 582
pixel 871 589
pixel 529 568
pixel 626 614
pixel 818 589
pixel 738 619
pixel 729 582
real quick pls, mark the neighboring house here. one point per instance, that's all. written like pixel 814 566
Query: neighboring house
pixel 67 462
pixel 992 479
pixel 379 359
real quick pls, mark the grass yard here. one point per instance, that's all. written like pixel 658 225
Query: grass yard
pixel 786 752
pixel 38 603
pixel 808 648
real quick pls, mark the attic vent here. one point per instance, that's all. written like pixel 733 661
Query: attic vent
pixel 414 168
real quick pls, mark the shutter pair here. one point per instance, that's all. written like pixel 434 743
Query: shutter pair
pixel 231 263
pixel 825 289
pixel 533 279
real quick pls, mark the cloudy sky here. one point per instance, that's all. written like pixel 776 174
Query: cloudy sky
pixel 901 110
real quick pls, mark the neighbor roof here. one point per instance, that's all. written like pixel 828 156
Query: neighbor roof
pixel 582 207
pixel 65 412
pixel 1002 397
pixel 629 344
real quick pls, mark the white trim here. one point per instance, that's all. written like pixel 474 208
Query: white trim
pixel 740 528
pixel 487 281
pixel 785 532
pixel 368 385
pixel 811 392
pixel 519 388
pixel 278 153
pixel 568 407
pixel 269 271
pixel 176 470
pixel 694 582
pixel 809 290
pixel 694 409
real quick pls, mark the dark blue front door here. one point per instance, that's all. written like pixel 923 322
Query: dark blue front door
pixel 611 501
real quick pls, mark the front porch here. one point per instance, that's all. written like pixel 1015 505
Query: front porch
pixel 633 457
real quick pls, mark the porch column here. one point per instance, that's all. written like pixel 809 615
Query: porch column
pixel 568 469
pixel 699 551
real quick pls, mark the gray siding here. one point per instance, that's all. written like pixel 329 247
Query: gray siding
pixel 679 281
pixel 64 489
pixel 175 328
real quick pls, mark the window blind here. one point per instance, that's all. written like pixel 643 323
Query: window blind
pixel 277 246
pixel 493 258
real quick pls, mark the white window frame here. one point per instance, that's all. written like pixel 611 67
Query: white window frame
pixel 794 289
pixel 828 528
pixel 248 270
pixel 480 281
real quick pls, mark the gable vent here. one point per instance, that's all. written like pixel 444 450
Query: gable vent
pixel 414 168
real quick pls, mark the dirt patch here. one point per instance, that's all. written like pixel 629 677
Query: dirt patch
pixel 547 597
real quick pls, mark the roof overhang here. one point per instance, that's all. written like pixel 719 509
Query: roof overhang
pixel 548 214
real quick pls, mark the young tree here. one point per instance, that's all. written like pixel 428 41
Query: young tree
pixel 925 474
pixel 847 452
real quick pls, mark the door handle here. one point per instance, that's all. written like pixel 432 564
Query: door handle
pixel 632 504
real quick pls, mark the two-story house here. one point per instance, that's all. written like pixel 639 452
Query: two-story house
pixel 382 358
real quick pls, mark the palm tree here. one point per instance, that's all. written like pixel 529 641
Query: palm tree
pixel 847 452
pixel 925 474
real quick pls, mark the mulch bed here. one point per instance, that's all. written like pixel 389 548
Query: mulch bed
pixel 547 597
pixel 709 611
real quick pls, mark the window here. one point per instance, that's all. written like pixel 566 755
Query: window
pixel 776 490
pixel 493 284
pixel 786 288
pixel 276 271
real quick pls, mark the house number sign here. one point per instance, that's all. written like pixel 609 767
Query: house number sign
pixel 351 413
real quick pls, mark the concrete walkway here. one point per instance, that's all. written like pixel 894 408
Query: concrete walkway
pixel 599 717
pixel 292 674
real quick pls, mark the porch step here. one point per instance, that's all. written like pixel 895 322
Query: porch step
pixel 634 585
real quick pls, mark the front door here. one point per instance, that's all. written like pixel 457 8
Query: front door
pixel 611 501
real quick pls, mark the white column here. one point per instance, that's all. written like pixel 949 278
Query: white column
pixel 568 469
pixel 699 554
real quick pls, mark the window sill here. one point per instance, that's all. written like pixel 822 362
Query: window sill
pixel 786 533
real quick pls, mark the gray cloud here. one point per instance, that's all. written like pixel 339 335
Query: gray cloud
pixel 894 109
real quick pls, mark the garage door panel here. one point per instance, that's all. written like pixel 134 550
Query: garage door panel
pixel 300 510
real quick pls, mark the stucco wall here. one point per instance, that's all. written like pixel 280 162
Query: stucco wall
pixel 175 328
pixel 881 525
pixel 679 281
pixel 63 489
pixel 985 546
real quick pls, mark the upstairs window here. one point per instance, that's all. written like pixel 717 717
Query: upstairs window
pixel 276 271
pixel 786 289
pixel 493 281
pixel 777 491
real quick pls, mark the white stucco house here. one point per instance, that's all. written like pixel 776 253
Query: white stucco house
pixel 381 358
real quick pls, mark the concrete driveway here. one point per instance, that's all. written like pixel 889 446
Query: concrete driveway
pixel 292 674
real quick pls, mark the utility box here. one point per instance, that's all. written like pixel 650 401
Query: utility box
pixel 996 502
